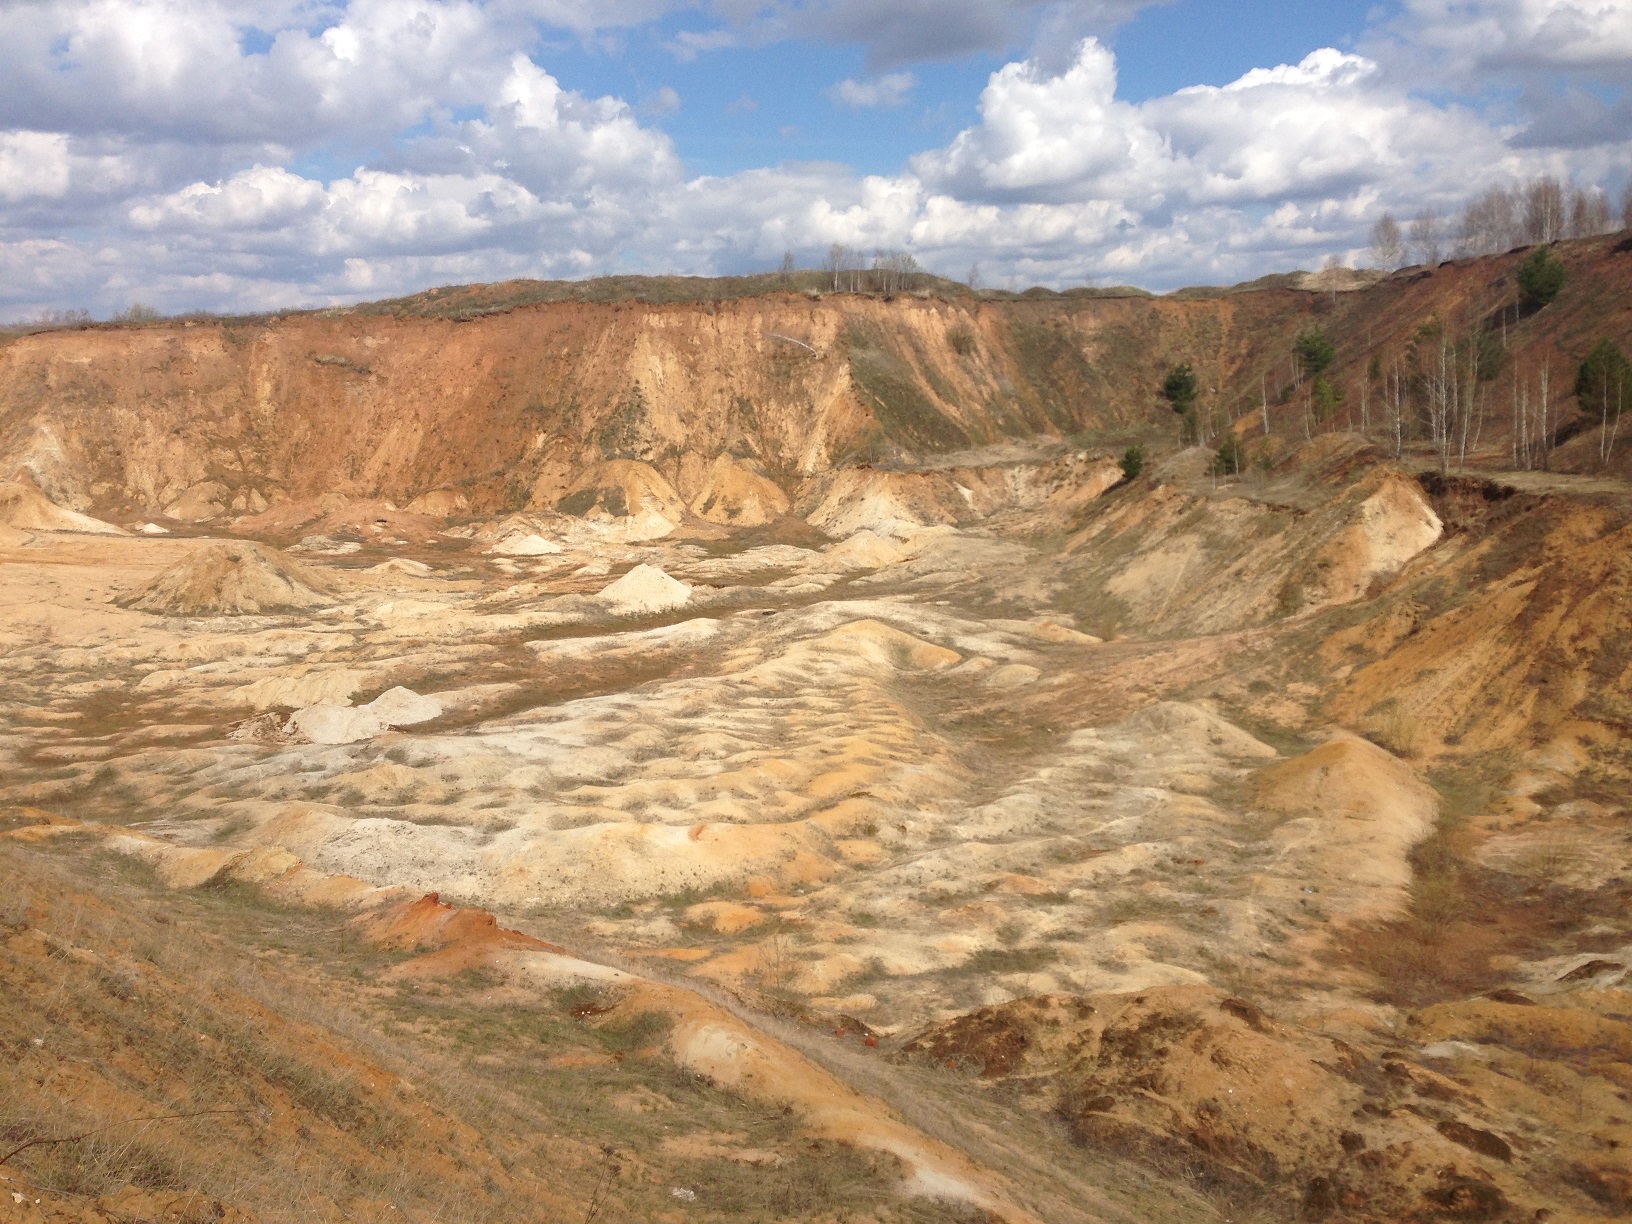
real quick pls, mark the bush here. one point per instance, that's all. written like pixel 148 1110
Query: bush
pixel 1180 387
pixel 1133 462
pixel 1541 277
pixel 1231 456
pixel 1603 384
pixel 1315 350
pixel 1325 398
pixel 138 312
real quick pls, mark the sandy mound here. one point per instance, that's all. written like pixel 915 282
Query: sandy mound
pixel 865 550
pixel 439 503
pixel 645 589
pixel 864 645
pixel 885 503
pixel 402 565
pixel 629 490
pixel 1356 813
pixel 1395 524
pixel 232 579
pixel 735 493
pixel 203 501
pixel 13 537
pixel 334 724
pixel 456 938
pixel 24 507
pixel 153 529
pixel 529 545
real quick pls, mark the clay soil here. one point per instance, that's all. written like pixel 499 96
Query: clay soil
pixel 777 784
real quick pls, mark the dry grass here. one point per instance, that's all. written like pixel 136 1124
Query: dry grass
pixel 344 1090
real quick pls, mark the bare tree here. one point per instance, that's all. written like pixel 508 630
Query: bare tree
pixel 893 271
pixel 1520 434
pixel 974 277
pixel 838 258
pixel 1543 209
pixel 1387 244
pixel 1544 438
pixel 1489 224
pixel 1424 237
pixel 1626 206
pixel 1589 212
pixel 788 266
pixel 1395 394
pixel 1607 449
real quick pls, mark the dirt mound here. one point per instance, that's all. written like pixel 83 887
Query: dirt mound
pixel 645 589
pixel 325 723
pixel 440 503
pixel 1179 558
pixel 24 507
pixel 527 544
pixel 621 488
pixel 1540 640
pixel 454 938
pixel 885 503
pixel 737 494
pixel 864 551
pixel 1203 1084
pixel 340 517
pixel 1356 813
pixel 231 579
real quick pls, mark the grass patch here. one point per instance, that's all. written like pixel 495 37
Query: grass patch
pixel 1008 960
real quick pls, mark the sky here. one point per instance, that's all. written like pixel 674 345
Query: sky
pixel 248 155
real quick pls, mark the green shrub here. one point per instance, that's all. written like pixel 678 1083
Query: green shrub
pixel 1231 456
pixel 1315 350
pixel 1325 398
pixel 1133 462
pixel 1603 384
pixel 1541 277
pixel 1180 387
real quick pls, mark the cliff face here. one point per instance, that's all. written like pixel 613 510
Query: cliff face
pixel 509 409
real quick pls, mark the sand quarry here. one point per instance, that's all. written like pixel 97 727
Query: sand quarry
pixel 1174 849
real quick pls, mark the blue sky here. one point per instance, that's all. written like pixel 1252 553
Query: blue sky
pixel 248 154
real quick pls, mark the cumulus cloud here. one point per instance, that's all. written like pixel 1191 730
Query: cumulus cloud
pixel 1473 40
pixel 886 91
pixel 178 69
pixel 147 147
pixel 33 164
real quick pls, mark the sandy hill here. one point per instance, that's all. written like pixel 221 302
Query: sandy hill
pixel 231 579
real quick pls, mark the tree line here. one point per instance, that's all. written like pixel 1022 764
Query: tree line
pixel 1545 209
pixel 1439 386
pixel 890 271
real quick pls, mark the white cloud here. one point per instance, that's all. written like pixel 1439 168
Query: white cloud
pixel 185 165
pixel 1474 39
pixel 33 164
pixel 262 197
pixel 889 90
pixel 177 68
